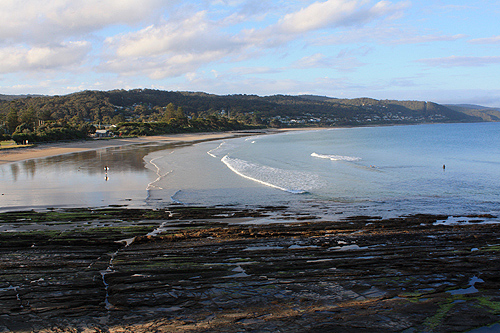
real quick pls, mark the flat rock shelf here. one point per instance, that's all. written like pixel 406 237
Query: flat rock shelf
pixel 213 270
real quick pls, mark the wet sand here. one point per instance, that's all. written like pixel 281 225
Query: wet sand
pixel 54 149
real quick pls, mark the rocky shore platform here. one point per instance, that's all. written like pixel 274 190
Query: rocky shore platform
pixel 215 270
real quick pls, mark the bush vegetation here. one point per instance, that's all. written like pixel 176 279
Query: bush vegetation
pixel 152 112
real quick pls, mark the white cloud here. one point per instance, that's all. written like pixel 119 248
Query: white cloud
pixel 42 20
pixel 488 40
pixel 330 14
pixel 225 84
pixel 160 67
pixel 345 61
pixel 171 49
pixel 254 70
pixel 176 47
pixel 387 34
pixel 426 39
pixel 334 13
pixel 314 61
pixel 193 35
pixel 16 59
pixel 461 61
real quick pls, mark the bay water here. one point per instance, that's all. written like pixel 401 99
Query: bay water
pixel 388 171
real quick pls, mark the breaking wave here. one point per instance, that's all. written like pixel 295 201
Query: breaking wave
pixel 295 182
pixel 223 149
pixel 337 157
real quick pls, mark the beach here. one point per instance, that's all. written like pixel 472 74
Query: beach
pixel 54 149
pixel 95 173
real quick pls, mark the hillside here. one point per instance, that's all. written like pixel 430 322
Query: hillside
pixel 485 113
pixel 148 105
pixel 14 97
pixel 428 111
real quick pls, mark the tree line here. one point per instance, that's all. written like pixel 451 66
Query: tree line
pixel 148 111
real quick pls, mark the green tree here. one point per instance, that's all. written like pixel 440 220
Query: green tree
pixel 87 128
pixel 106 120
pixel 12 120
pixel 119 118
pixel 45 114
pixel 179 113
pixel 29 117
pixel 75 121
pixel 169 112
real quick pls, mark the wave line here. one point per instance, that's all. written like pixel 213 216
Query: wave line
pixel 226 161
pixel 151 185
pixel 210 151
pixel 337 157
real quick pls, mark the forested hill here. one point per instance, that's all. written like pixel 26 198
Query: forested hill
pixel 148 105
pixel 485 113
pixel 418 109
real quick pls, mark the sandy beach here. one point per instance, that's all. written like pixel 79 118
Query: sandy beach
pixel 54 149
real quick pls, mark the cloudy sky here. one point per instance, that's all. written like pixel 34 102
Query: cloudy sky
pixel 442 51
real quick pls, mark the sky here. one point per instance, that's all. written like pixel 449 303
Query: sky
pixel 440 51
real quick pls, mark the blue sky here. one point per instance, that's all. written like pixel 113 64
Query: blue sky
pixel 441 51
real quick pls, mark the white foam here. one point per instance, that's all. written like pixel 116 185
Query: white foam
pixel 222 149
pixel 160 176
pixel 336 157
pixel 214 151
pixel 295 182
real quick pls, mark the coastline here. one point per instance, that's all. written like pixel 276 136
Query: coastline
pixel 84 173
pixel 55 149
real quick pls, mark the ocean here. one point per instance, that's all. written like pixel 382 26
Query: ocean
pixel 385 171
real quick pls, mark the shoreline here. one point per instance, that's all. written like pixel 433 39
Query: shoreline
pixel 43 150
pixel 26 159
pixel 55 149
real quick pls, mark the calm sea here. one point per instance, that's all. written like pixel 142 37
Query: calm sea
pixel 387 171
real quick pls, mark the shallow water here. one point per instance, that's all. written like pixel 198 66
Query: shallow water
pixel 78 179
pixel 386 171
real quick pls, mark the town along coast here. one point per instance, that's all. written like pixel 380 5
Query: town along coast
pixel 199 269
